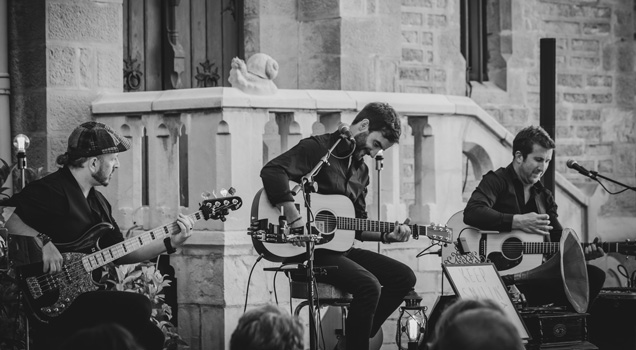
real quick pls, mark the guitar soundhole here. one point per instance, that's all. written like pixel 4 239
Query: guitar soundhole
pixel 326 222
pixel 512 248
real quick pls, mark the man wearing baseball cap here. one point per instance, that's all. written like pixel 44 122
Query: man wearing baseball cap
pixel 60 208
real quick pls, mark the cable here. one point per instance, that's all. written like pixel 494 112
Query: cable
pixel 247 292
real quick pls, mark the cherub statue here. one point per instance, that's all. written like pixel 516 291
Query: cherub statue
pixel 256 77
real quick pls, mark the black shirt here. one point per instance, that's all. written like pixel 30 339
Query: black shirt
pixel 499 196
pixel 344 175
pixel 56 206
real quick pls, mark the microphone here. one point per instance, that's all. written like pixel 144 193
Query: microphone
pixel 345 133
pixel 572 164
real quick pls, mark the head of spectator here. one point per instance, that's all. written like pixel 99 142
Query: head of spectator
pixel 475 324
pixel 105 336
pixel 267 328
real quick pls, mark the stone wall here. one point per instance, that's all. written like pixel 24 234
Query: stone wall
pixel 68 53
pixel 414 46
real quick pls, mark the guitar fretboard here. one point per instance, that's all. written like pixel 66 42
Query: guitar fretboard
pixel 116 251
pixel 553 247
pixel 367 225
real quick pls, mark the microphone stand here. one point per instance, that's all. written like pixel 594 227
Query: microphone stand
pixel 593 175
pixel 22 165
pixel 309 185
pixel 379 166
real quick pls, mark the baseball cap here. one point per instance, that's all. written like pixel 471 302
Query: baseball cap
pixel 93 138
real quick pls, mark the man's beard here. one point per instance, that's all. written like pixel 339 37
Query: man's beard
pixel 101 177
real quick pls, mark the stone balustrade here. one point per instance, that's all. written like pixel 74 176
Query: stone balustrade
pixel 189 141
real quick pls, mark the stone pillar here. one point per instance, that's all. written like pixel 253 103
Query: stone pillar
pixel 62 55
pixel 5 124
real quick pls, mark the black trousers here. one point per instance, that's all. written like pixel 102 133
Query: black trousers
pixel 378 285
pixel 542 293
pixel 130 310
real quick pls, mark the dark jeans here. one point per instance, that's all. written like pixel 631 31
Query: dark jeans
pixel 378 285
pixel 130 310
pixel 542 293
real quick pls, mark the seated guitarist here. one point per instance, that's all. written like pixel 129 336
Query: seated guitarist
pixel 513 198
pixel 59 208
pixel 378 283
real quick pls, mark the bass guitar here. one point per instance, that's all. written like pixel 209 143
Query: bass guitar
pixel 49 295
pixel 514 251
pixel 334 226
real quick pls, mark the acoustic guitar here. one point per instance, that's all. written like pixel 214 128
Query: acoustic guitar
pixel 514 251
pixel 49 295
pixel 335 226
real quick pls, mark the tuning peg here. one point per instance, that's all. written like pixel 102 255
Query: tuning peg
pixel 232 191
pixel 205 195
pixel 223 192
pixel 214 194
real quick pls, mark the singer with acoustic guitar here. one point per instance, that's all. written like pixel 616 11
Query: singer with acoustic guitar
pixel 378 283
pixel 513 198
pixel 57 210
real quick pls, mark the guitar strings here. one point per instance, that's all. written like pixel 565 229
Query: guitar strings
pixel 75 269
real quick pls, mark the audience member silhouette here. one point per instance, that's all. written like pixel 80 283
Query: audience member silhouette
pixel 267 328
pixel 105 336
pixel 475 324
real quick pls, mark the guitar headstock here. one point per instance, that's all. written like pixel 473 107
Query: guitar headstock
pixel 218 208
pixel 439 233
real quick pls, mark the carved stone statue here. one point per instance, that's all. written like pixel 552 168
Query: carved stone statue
pixel 256 77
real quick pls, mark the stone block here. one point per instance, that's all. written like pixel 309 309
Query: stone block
pixel 62 69
pixel 109 70
pixel 415 73
pixel 575 98
pixel 320 72
pixel 588 132
pixel 596 28
pixel 410 36
pixel 625 89
pixel 318 9
pixel 571 149
pixel 68 109
pixel 599 149
pixel 600 80
pixel 564 131
pixel 412 19
pixel 281 8
pixel 90 22
pixel 585 62
pixel 533 78
pixel 437 21
pixel 412 55
pixel 320 37
pixel 418 3
pixel 214 328
pixel 586 115
pixel 601 98
pixel 514 116
pixel 625 57
pixel 562 27
pixel 606 166
pixel 427 38
pixel 570 80
pixel 585 45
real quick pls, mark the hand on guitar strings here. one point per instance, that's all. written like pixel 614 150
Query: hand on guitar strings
pixel 186 224
pixel 594 250
pixel 401 233
pixel 532 223
pixel 51 259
